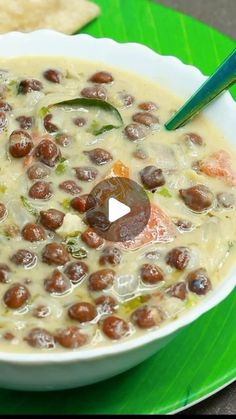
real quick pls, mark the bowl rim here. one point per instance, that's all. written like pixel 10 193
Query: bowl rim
pixel 213 299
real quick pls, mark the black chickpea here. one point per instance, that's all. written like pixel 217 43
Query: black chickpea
pixel 82 312
pixel 16 296
pixel 52 75
pixel 20 143
pixel 55 254
pixel 40 190
pixel 52 219
pixel 94 92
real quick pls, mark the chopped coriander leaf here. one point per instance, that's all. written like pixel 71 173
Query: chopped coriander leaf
pixel 3 188
pixel 164 192
pixel 61 166
pixel 28 206
pixel 131 305
pixel 230 245
pixel 65 204
pixel 94 126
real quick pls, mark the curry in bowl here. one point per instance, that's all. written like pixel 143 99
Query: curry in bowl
pixel 65 126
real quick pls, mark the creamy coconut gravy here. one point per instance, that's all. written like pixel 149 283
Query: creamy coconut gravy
pixel 62 286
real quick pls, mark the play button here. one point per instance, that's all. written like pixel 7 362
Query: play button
pixel 118 209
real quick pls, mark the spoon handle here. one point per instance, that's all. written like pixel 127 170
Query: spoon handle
pixel 222 79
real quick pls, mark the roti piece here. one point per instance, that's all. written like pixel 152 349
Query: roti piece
pixel 62 15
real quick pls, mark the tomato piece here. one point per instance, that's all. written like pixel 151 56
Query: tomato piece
pixel 219 164
pixel 118 169
pixel 27 161
pixel 160 229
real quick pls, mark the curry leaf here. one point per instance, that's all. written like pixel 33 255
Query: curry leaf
pixel 43 112
pixel 95 103
pixel 28 206
pixel 65 204
pixel 74 248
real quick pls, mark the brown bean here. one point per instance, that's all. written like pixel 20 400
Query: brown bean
pixel 140 154
pixel 52 218
pixel 48 153
pixel 4 273
pixel 178 290
pixel 145 118
pixel 70 187
pixel 194 138
pixel 38 171
pixel 40 338
pixel 71 337
pixel 146 317
pixel 41 311
pixel 16 296
pixel 183 225
pixel 148 106
pixel 79 122
pixel 127 99
pixel 82 312
pixel 57 283
pixel 178 258
pixel 102 77
pixel 134 132
pixel 86 174
pixel 8 336
pixel 64 140
pixel 76 271
pixel 23 257
pixel 25 122
pixel 115 328
pixel 94 92
pixel 20 143
pixel 198 198
pixel 33 232
pixel 199 282
pixel 101 280
pixel 151 274
pixel 98 219
pixel 91 238
pixel 52 75
pixel 110 256
pixel 106 304
pixel 40 190
pixel 6 107
pixel 225 200
pixel 152 177
pixel 55 254
pixel 80 203
pixel 3 120
pixel 99 156
pixel 48 124
pixel 3 211
pixel 196 166
pixel 29 85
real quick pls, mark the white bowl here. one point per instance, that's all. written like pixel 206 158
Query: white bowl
pixel 52 371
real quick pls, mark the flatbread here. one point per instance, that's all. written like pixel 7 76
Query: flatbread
pixel 62 15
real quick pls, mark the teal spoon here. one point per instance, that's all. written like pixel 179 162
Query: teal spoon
pixel 222 79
